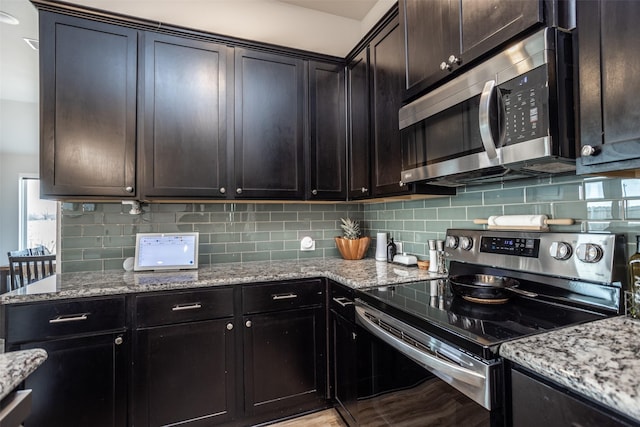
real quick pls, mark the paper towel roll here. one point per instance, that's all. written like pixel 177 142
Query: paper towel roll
pixel 381 247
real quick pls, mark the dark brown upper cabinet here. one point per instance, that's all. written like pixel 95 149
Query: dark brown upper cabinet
pixel 327 132
pixel 88 78
pixel 184 143
pixel 359 126
pixel 442 36
pixel 607 33
pixel 269 126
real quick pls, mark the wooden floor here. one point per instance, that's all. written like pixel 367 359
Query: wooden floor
pixel 326 418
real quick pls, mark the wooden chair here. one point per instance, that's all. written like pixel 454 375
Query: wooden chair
pixel 30 268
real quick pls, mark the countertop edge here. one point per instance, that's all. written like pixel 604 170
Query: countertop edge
pixel 16 366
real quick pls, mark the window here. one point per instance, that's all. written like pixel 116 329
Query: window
pixel 37 216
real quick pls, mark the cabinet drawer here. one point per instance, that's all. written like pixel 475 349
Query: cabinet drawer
pixel 40 321
pixel 187 306
pixel 281 296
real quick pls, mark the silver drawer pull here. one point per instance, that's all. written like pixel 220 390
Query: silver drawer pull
pixel 180 307
pixel 283 296
pixel 70 318
pixel 343 301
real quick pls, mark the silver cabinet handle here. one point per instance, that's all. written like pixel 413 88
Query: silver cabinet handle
pixel 314 192
pixel 247 323
pixel 364 189
pixel 283 296
pixel 118 341
pixel 229 326
pixel 444 66
pixel 128 189
pixel 454 60
pixel 239 190
pixel 343 301
pixel 70 318
pixel 180 307
pixel 483 118
pixel 223 190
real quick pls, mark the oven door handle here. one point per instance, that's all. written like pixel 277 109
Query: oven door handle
pixel 432 363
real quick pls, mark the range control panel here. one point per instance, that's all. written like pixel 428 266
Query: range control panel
pixel 584 256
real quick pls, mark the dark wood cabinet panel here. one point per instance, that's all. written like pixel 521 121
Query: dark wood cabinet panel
pixel 608 111
pixel 88 108
pixel 536 402
pixel 185 374
pixel 327 132
pixel 387 78
pixel 269 126
pixel 432 34
pixel 83 382
pixel 292 341
pixel 442 37
pixel 359 126
pixel 185 132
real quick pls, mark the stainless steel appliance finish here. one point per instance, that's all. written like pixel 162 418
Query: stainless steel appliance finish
pixel 509 117
pixel 571 278
pixel 467 374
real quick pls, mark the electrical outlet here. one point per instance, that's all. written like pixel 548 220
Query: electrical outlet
pixel 307 244
pixel 398 247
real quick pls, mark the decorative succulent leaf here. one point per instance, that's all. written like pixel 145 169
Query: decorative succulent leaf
pixel 350 228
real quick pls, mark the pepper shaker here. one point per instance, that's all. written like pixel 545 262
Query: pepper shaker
pixel 433 257
pixel 442 267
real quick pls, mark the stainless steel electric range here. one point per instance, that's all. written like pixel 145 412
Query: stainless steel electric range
pixel 501 285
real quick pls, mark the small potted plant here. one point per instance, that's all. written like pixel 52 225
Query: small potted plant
pixel 351 245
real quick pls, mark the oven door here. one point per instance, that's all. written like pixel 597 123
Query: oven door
pixel 396 387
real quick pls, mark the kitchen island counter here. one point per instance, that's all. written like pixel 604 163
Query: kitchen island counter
pixel 16 366
pixel 356 274
pixel 599 360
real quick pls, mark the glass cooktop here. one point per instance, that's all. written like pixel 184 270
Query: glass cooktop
pixel 476 327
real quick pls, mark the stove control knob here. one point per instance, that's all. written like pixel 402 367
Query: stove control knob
pixel 452 242
pixel 560 250
pixel 466 243
pixel 589 253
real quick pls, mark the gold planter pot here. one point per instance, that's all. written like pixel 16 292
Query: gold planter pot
pixel 353 249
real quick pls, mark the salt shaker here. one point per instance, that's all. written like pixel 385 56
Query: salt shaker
pixel 433 257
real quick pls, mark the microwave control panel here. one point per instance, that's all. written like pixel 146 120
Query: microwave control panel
pixel 525 106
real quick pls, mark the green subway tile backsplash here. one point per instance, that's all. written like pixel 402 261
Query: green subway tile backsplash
pixel 99 236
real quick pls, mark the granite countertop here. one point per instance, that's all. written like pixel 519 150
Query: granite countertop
pixel 15 366
pixel 356 274
pixel 600 360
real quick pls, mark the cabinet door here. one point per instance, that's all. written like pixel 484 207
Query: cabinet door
pixel 359 126
pixel 608 109
pixel 345 368
pixel 184 143
pixel 269 121
pixel 284 363
pixel 490 23
pixel 184 374
pixel 88 108
pixel 432 34
pixel 83 382
pixel 387 72
pixel 327 150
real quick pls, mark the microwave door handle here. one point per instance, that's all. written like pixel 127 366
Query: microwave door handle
pixel 484 119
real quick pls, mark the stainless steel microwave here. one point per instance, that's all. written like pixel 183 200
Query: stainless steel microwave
pixel 509 117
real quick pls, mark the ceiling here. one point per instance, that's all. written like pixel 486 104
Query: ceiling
pixel 331 27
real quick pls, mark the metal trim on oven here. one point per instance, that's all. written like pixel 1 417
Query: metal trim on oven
pixel 467 374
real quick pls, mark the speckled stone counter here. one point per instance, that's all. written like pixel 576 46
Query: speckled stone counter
pixel 600 360
pixel 357 274
pixel 15 366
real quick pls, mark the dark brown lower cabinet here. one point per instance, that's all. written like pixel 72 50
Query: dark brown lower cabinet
pixel 184 374
pixel 83 382
pixel 284 339
pixel 539 402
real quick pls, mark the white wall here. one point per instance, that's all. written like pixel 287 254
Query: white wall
pixel 19 136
